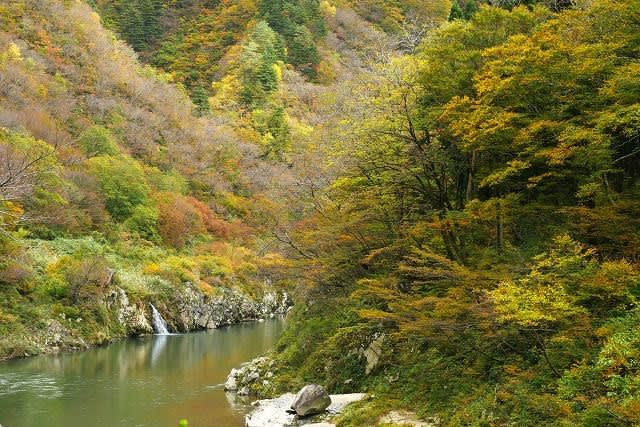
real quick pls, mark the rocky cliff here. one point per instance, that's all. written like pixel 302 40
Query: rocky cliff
pixel 188 310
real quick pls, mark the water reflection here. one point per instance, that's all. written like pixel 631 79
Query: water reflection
pixel 159 343
pixel 151 381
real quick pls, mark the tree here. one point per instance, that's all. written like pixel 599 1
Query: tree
pixel 98 141
pixel 302 51
pixel 200 98
pixel 26 165
pixel 259 70
pixel 137 21
pixel 299 23
pixel 276 137
pixel 122 184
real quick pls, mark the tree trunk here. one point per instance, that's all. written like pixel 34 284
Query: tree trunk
pixel 472 167
pixel 499 227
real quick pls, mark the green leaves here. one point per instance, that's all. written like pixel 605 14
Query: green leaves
pixel 302 51
pixel 299 23
pixel 259 66
pixel 122 183
pixel 137 21
pixel 98 141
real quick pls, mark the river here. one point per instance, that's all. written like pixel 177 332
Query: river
pixel 142 382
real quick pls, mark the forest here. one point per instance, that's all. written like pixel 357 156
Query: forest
pixel 454 181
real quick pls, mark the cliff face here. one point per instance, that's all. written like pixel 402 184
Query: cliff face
pixel 190 310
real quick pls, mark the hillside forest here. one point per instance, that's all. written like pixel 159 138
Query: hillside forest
pixel 457 181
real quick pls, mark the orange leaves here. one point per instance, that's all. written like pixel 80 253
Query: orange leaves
pixel 178 219
pixel 182 218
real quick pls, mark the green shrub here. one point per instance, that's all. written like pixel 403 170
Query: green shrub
pixel 98 141
pixel 122 183
pixel 144 221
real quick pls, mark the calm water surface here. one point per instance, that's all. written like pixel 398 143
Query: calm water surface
pixel 146 382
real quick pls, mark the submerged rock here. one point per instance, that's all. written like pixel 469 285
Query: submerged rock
pixel 311 400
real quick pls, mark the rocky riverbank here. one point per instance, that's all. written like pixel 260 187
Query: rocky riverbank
pixel 126 315
pixel 312 406
pixel 191 310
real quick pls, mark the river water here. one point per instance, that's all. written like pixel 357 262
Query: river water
pixel 143 382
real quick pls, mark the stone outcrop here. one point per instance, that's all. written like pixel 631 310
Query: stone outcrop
pixel 243 379
pixel 311 400
pixel 192 310
pixel 196 311
pixel 373 353
pixel 133 317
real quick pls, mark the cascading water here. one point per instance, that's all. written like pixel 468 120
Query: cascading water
pixel 159 324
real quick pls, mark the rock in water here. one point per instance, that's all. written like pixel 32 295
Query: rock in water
pixel 232 381
pixel 311 400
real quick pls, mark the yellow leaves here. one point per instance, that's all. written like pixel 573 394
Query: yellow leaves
pixel 376 290
pixel 513 169
pixel 10 214
pixel 299 129
pixel 11 54
pixel 7 318
pixel 42 91
pixel 206 288
pixel 511 369
pixel 151 269
pixel 348 184
pixel 327 9
pixel 532 305
pixel 377 315
pixel 614 279
pixel 480 127
pixel 225 92
pixel 623 85
pixel 565 282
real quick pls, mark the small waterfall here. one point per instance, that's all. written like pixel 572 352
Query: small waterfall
pixel 159 325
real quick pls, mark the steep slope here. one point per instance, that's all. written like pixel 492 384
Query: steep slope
pixel 109 181
pixel 471 233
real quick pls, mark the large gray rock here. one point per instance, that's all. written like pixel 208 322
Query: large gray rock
pixel 312 399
